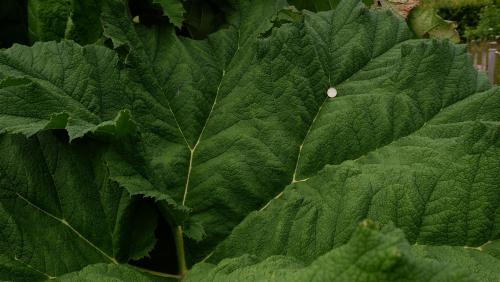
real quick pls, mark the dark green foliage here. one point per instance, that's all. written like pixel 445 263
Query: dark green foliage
pixel 227 142
pixel 47 19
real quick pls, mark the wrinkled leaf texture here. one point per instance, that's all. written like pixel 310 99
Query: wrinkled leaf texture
pixel 235 133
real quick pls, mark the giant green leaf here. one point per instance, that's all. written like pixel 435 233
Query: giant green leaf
pixel 437 184
pixel 240 115
pixel 370 255
pixel 59 212
pixel 226 124
pixel 83 93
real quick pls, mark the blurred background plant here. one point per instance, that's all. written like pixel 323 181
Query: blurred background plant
pixel 478 25
pixel 488 27
pixel 474 22
pixel 476 19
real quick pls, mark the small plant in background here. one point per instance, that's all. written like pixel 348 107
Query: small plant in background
pixel 457 20
pixel 474 22
pixel 488 27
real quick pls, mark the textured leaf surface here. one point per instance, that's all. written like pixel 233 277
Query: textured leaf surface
pixel 59 213
pixel 438 185
pixel 370 255
pixel 72 87
pixel 226 124
pixel 197 75
pixel 83 92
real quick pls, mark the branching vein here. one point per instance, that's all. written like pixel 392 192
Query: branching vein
pixel 66 223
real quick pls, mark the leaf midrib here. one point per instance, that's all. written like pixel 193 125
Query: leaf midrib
pixel 193 149
pixel 294 180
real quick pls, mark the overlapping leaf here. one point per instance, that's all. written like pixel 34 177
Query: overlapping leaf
pixel 225 124
pixel 59 212
pixel 82 92
pixel 370 255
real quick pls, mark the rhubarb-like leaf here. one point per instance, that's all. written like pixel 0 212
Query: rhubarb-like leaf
pixel 337 115
pixel 59 212
pixel 369 255
pixel 83 92
pixel 437 184
pixel 77 92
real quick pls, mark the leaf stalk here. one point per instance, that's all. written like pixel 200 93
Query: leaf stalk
pixel 179 245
